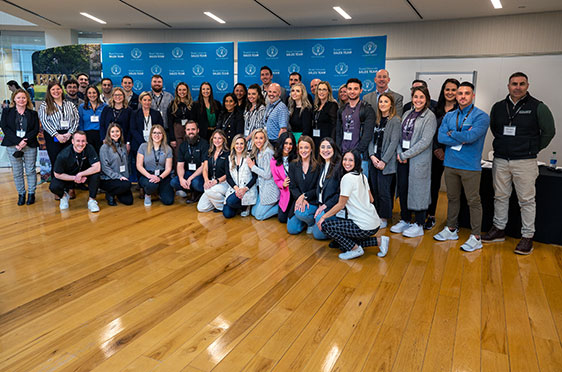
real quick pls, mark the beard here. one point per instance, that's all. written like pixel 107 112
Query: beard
pixel 193 140
pixel 157 89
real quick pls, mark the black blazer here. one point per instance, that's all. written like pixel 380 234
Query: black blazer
pixel 107 117
pixel 303 184
pixel 201 118
pixel 182 112
pixel 9 127
pixel 331 189
pixel 325 120
pixel 231 125
pixel 137 126
pixel 301 120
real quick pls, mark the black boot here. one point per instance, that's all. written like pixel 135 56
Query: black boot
pixel 110 200
pixel 30 199
pixel 21 199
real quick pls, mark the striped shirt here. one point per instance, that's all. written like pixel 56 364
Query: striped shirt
pixel 276 117
pixel 253 119
pixel 52 123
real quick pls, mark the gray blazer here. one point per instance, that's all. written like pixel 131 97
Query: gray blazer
pixel 371 98
pixel 419 156
pixel 390 142
pixel 268 190
pixel 111 162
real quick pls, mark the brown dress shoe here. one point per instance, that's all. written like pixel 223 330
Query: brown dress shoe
pixel 72 194
pixel 494 235
pixel 525 246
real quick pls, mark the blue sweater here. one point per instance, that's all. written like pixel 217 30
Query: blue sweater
pixel 471 135
pixel 86 122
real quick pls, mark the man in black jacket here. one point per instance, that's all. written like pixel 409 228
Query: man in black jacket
pixel 522 126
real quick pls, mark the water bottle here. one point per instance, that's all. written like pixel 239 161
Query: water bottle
pixel 553 160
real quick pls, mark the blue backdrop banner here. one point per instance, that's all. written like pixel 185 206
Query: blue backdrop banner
pixel 333 60
pixel 192 63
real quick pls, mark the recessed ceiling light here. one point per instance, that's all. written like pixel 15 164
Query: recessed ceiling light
pixel 93 18
pixel 497 4
pixel 342 12
pixel 209 14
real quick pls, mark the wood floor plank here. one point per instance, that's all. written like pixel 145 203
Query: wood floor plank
pixel 553 291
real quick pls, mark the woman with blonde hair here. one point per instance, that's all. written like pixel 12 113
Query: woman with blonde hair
pixel 214 174
pixel 300 111
pixel 154 163
pixel 325 114
pixel 117 111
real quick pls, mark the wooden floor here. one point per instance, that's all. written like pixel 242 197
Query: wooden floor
pixel 169 289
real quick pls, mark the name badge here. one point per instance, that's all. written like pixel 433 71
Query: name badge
pixel 246 132
pixel 509 130
pixel 405 144
pixel 122 168
pixel 376 148
pixel 145 134
pixel 191 167
pixel 341 214
pixel 457 147
pixel 347 136
pixel 316 133
pixel 20 133
pixel 64 124
pixel 183 122
pixel 95 119
pixel 157 172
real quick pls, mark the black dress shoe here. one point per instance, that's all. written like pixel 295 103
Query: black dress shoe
pixel 110 200
pixel 30 199
pixel 334 244
pixel 21 199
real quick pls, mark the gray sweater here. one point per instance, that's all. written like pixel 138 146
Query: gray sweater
pixel 390 141
pixel 112 161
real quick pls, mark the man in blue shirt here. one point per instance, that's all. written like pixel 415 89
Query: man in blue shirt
pixel 463 132
pixel 276 113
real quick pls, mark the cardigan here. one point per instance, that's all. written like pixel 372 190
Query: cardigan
pixel 268 190
pixel 112 161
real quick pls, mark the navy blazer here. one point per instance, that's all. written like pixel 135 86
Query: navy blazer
pixel 123 120
pixel 136 127
pixel 331 189
pixel 8 125
pixel 303 184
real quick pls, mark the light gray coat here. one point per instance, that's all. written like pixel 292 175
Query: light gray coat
pixel 419 158
pixel 390 141
pixel 241 177
pixel 268 190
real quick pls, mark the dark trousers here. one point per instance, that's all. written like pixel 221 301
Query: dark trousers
pixel 381 186
pixel 347 234
pixel 53 149
pixel 283 217
pixel 119 189
pixel 402 174
pixel 93 137
pixel 196 184
pixel 164 189
pixel 232 205
pixel 57 186
pixel 134 174
pixel 436 173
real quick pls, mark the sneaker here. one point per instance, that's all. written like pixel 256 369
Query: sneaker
pixel 93 206
pixel 525 246
pixel 447 234
pixel 349 255
pixel 413 231
pixel 63 204
pixel 494 235
pixel 384 246
pixel 181 194
pixel 429 223
pixel 384 223
pixel 147 200
pixel 245 212
pixel 472 244
pixel 400 227
pixel 309 229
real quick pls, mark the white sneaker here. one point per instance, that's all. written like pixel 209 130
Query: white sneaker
pixel 147 200
pixel 349 255
pixel 472 244
pixel 447 234
pixel 384 224
pixel 63 204
pixel 309 229
pixel 181 194
pixel 413 231
pixel 245 212
pixel 400 227
pixel 384 246
pixel 93 206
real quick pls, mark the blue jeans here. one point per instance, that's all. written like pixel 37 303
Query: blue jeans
pixel 365 166
pixel 231 206
pixel 319 235
pixel 301 220
pixel 196 183
pixel 263 212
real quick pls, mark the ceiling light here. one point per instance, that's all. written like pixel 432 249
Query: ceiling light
pixel 342 12
pixel 93 18
pixel 497 4
pixel 209 14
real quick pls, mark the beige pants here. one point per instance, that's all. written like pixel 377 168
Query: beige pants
pixel 456 179
pixel 523 174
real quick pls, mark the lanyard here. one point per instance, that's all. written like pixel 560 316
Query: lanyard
pixel 157 100
pixel 116 114
pixel 349 123
pixel 271 111
pixel 463 120
pixel 157 157
pixel 80 161
pixel 147 121
pixel 214 164
pixel 20 120
pixel 316 117
pixel 511 117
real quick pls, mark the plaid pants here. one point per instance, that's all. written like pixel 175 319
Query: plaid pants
pixel 346 233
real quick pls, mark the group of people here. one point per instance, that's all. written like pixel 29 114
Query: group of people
pixel 325 167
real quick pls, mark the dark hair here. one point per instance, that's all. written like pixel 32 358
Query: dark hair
pixel 108 141
pixel 467 84
pixel 104 79
pixel 260 100
pixel 70 81
pixel 335 161
pixel 191 121
pixel 425 92
pixel 231 95
pixel 354 80
pixel 313 161
pixel 440 108
pixel 296 73
pixel 422 82
pixel 266 68
pixel 83 74
pixel 157 77
pixel 25 85
pixel 13 83
pixel 87 102
pixel 49 100
pixel 213 106
pixel 518 74
pixel 356 159
pixel 244 97
pixel 126 77
pixel 278 155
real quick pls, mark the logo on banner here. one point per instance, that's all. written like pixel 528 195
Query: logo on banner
pixel 137 85
pixel 176 83
pixel 177 52
pixel 272 52
pixel 370 48
pixel 341 68
pixel 293 67
pixel 250 70
pixel 115 70
pixel 136 53
pixel 156 70
pixel 368 85
pixel 222 52
pixel 222 86
pixel 318 49
pixel 198 70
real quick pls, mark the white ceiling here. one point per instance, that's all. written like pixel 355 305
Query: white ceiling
pixel 185 14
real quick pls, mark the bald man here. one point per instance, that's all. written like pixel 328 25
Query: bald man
pixel 313 84
pixel 382 78
pixel 276 113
